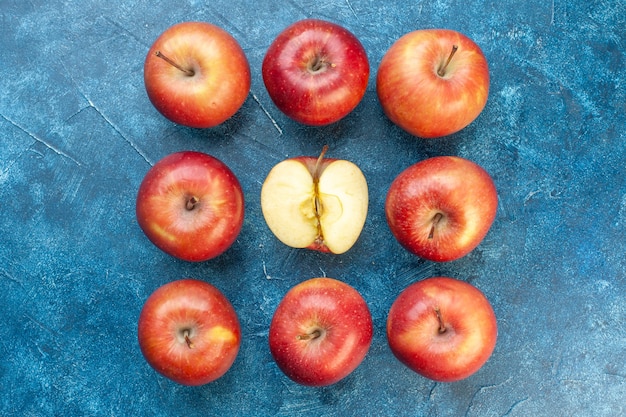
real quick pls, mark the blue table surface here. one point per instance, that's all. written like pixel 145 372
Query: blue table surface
pixel 78 134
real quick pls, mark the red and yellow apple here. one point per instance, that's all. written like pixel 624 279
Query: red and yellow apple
pixel 316 72
pixel 320 332
pixel 442 328
pixel 441 208
pixel 433 82
pixel 315 203
pixel 196 74
pixel 189 332
pixel 191 206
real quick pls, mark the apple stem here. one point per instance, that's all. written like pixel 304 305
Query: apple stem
pixel 316 180
pixel 310 336
pixel 316 175
pixel 188 339
pixel 442 326
pixel 318 64
pixel 442 69
pixel 192 202
pixel 170 61
pixel 436 221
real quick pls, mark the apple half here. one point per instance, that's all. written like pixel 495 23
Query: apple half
pixel 315 203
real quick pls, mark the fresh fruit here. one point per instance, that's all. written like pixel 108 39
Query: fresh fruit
pixel 191 206
pixel 196 74
pixel 320 332
pixel 442 328
pixel 316 72
pixel 441 208
pixel 433 82
pixel 189 332
pixel 315 203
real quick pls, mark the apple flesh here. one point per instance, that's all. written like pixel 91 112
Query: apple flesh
pixel 320 332
pixel 316 72
pixel 189 332
pixel 442 328
pixel 196 74
pixel 315 203
pixel 191 206
pixel 441 208
pixel 433 82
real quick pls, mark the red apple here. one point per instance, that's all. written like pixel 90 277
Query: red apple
pixel 188 331
pixel 190 205
pixel 315 203
pixel 442 328
pixel 320 332
pixel 316 72
pixel 433 82
pixel 441 208
pixel 196 74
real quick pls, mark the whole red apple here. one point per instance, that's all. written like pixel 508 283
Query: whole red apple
pixel 320 332
pixel 316 72
pixel 441 208
pixel 196 74
pixel 442 328
pixel 191 206
pixel 433 82
pixel 315 203
pixel 189 332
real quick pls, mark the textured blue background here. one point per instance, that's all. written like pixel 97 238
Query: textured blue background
pixel 78 134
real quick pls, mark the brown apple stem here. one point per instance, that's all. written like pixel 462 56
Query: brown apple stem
pixel 310 336
pixel 436 221
pixel 442 326
pixel 316 179
pixel 442 69
pixel 192 202
pixel 318 164
pixel 187 339
pixel 319 64
pixel 170 61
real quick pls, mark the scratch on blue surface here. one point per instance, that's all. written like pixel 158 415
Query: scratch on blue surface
pixel 351 8
pixel 267 113
pixel 93 106
pixel 482 389
pixel 119 132
pixel 41 140
pixel 514 405
pixel 12 278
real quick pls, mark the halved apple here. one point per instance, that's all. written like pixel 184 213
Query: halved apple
pixel 315 203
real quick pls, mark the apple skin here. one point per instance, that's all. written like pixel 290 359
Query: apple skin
pixel 191 206
pixel 316 203
pixel 342 317
pixel 414 329
pixel 316 72
pixel 419 100
pixel 441 208
pixel 221 75
pixel 214 334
